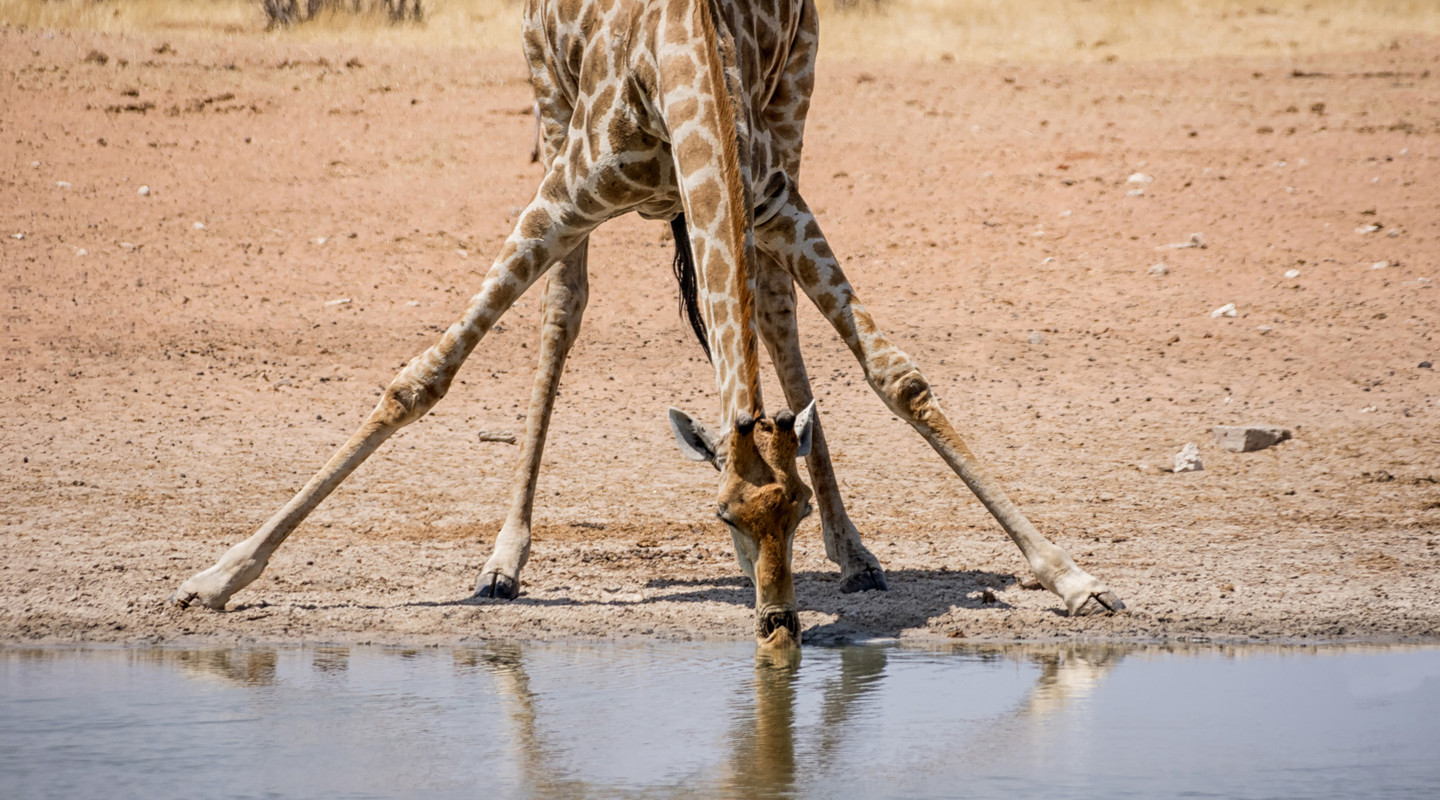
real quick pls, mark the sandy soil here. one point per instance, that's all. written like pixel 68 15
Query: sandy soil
pixel 166 386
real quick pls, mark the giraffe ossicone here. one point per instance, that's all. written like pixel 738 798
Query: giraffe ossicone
pixel 693 110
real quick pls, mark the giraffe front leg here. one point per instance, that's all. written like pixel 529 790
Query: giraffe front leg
pixel 793 236
pixel 775 312
pixel 566 292
pixel 549 228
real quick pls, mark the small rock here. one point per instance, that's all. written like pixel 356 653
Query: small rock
pixel 1140 178
pixel 1135 192
pixel 1425 365
pixel 63 184
pixel 1227 310
pixel 199 226
pixel 1292 273
pixel 1196 241
pixel 1247 438
pixel 1380 265
pixel 96 57
pixel 1158 269
pixel 1264 329
pixel 17 236
pixel 144 191
pixel 1226 588
pixel 1188 459
pixel 987 597
pixel 1036 337
pixel 1048 260
pixel 1368 410
pixel 497 436
pixel 1393 233
pixel 1371 228
pixel 339 301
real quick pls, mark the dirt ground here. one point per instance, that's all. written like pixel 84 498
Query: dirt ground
pixel 177 363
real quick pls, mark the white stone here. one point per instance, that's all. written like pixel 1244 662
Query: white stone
pixel 1380 265
pixel 144 191
pixel 1188 459
pixel 1140 178
pixel 1371 228
pixel 199 226
pixel 63 184
pixel 1227 310
pixel 1196 241
pixel 1292 273
pixel 339 301
pixel 1135 192
pixel 1158 269
pixel 1036 337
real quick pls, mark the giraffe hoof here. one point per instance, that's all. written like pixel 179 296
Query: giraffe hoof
pixel 871 579
pixel 497 586
pixel 1100 603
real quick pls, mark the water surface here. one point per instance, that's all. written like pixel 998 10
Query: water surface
pixel 666 720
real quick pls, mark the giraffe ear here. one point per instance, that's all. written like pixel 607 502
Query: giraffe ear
pixel 804 430
pixel 694 439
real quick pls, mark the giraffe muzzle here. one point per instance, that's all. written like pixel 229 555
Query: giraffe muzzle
pixel 777 627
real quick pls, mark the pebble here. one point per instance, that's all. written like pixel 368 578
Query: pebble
pixel 1140 178
pixel 1292 273
pixel 63 184
pixel 1188 459
pixel 1158 269
pixel 1036 337
pixel 199 226
pixel 1371 228
pixel 1196 241
pixel 144 191
pixel 1227 310
pixel 339 301
pixel 1248 438
pixel 1380 265
pixel 17 236
pixel 1048 260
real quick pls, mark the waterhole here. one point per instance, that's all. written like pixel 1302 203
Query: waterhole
pixel 688 719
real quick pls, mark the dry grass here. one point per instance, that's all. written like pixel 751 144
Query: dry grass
pixel 906 30
pixel 1091 30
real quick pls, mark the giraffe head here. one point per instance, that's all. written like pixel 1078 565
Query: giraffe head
pixel 762 500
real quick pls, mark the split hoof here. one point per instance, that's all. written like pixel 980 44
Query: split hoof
pixel 182 598
pixel 871 579
pixel 1100 603
pixel 498 586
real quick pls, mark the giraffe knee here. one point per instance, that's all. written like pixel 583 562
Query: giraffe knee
pixel 408 398
pixel 909 395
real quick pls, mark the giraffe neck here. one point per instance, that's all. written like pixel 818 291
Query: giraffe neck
pixel 701 114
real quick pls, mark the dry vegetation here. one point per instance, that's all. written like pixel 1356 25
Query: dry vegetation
pixel 927 30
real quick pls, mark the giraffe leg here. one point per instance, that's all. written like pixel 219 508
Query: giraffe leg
pixel 775 312
pixel 549 228
pixel 566 291
pixel 794 239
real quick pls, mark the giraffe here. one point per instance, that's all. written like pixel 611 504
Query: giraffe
pixel 691 111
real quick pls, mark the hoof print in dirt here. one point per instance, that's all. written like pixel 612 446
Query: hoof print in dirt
pixel 1102 603
pixel 870 580
pixel 497 586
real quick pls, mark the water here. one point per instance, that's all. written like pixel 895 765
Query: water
pixel 666 720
